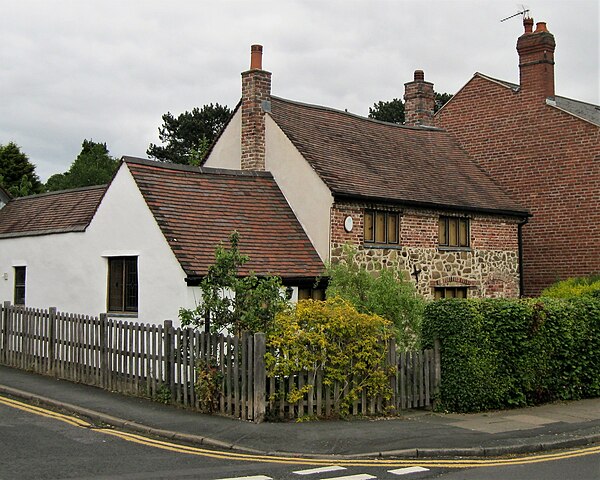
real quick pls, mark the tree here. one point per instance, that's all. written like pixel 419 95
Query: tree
pixel 393 111
pixel 187 138
pixel 93 166
pixel 17 173
pixel 233 302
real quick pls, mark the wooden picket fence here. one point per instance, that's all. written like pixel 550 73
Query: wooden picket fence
pixel 162 362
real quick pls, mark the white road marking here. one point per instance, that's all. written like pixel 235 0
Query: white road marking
pixel 333 468
pixel 360 476
pixel 404 471
pixel 255 477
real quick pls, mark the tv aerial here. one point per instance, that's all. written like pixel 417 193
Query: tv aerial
pixel 524 11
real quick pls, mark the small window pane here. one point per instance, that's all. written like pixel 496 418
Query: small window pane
pixel 461 293
pixel 318 294
pixel 369 227
pixel 463 233
pixel 442 230
pixel 303 293
pixel 380 227
pixel 20 285
pixel 453 232
pixel 392 228
pixel 439 293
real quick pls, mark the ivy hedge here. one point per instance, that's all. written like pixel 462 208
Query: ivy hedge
pixel 499 353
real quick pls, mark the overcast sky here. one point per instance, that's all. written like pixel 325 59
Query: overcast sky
pixel 107 70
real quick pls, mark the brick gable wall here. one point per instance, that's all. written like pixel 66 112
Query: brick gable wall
pixel 548 160
pixel 490 268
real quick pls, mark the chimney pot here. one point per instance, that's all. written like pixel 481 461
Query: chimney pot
pixel 540 27
pixel 256 57
pixel 528 24
pixel 419 75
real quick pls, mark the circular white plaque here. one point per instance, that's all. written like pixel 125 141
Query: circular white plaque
pixel 348 224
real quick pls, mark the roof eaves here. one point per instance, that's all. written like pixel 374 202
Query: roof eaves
pixel 432 205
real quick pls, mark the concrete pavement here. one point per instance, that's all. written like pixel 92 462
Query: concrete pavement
pixel 419 434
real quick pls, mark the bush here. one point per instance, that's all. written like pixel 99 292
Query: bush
pixel 575 287
pixel 381 293
pixel 499 353
pixel 334 337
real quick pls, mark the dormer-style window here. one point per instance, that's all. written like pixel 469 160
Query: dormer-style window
pixel 381 227
pixel 453 232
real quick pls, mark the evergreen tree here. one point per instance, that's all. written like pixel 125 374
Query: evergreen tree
pixel 17 173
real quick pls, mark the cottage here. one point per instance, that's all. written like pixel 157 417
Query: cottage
pixel 544 150
pixel 408 197
pixel 138 247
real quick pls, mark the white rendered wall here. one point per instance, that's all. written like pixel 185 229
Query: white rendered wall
pixel 227 152
pixel 70 271
pixel 309 197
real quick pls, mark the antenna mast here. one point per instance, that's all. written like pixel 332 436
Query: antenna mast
pixel 524 12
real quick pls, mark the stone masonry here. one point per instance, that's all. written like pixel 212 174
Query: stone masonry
pixel 488 268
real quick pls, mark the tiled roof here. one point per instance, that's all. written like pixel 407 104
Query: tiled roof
pixel 363 158
pixel 48 213
pixel 197 208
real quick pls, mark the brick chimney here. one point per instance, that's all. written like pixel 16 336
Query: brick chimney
pixel 536 59
pixel 419 101
pixel 256 96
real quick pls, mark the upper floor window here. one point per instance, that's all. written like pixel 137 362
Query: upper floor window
pixel 381 227
pixel 453 232
pixel 122 284
pixel 20 274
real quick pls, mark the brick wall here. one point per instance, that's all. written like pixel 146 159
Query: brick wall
pixel 548 160
pixel 256 89
pixel 488 268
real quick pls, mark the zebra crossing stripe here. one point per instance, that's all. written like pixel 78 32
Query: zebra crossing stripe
pixel 333 468
pixel 404 471
pixel 360 476
pixel 255 477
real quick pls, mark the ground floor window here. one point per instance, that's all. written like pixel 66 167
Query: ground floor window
pixel 450 292
pixel 122 285
pixel 20 275
pixel 311 293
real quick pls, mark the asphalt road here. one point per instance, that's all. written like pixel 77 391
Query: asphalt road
pixel 40 444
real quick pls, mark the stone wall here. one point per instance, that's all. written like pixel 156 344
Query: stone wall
pixel 488 268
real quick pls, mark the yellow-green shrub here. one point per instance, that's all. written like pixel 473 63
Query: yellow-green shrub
pixel 331 336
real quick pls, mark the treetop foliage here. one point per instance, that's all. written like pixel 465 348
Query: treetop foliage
pixel 187 137
pixel 93 166
pixel 17 173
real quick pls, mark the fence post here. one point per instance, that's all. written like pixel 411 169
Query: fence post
pixel 260 377
pixel 437 368
pixel 169 349
pixel 104 373
pixel 392 365
pixel 51 339
pixel 5 332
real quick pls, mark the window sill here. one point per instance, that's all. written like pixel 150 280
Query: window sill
pixel 454 249
pixel 383 246
pixel 122 315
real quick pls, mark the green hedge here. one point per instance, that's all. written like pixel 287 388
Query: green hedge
pixel 499 353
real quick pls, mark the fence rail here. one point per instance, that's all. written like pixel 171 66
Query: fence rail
pixel 163 363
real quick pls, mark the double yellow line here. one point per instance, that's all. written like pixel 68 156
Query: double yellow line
pixel 228 455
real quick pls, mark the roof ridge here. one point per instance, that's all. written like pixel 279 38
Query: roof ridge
pixel 357 116
pixel 61 192
pixel 193 169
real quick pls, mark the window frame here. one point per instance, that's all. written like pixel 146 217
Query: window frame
pixel 446 233
pixel 20 287
pixel 123 302
pixel 374 214
pixel 444 289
